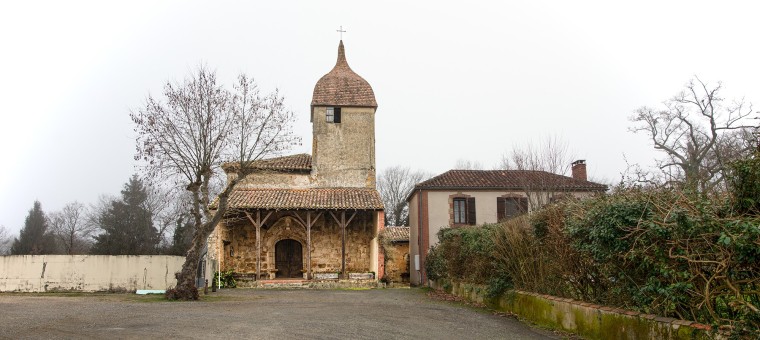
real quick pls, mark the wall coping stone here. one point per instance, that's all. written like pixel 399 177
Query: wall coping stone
pixel 647 325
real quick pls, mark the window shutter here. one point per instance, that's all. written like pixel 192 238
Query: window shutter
pixel 523 205
pixel 500 209
pixel 337 115
pixel 471 211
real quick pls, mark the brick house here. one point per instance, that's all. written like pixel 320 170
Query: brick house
pixel 311 216
pixel 471 197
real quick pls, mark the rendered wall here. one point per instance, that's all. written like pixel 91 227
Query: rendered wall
pixel 344 153
pixel 87 273
pixel 441 210
pixel 272 179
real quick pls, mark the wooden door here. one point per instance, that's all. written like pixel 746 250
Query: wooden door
pixel 288 258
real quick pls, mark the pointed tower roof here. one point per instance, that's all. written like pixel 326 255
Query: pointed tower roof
pixel 342 86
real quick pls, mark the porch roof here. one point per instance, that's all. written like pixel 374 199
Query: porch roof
pixel 306 199
pixel 397 234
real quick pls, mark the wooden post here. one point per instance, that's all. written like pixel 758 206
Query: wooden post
pixel 257 223
pixel 258 248
pixel 343 244
pixel 308 224
pixel 308 245
pixel 343 223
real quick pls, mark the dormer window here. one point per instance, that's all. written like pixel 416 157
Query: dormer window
pixel 333 115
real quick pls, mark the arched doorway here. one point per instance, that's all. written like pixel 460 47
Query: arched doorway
pixel 288 258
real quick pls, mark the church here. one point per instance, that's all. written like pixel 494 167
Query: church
pixel 312 216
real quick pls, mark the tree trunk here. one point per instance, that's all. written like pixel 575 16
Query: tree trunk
pixel 186 277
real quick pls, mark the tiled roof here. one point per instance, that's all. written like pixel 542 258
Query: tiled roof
pixel 311 198
pixel 299 162
pixel 508 179
pixel 397 234
pixel 342 86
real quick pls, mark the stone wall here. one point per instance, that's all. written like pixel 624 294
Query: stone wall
pixel 344 153
pixel 586 319
pixel 325 244
pixel 272 179
pixel 87 273
pixel 397 262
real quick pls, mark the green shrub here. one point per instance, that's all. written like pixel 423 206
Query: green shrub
pixel 227 279
pixel 694 257
pixel 744 183
pixel 667 253
pixel 467 254
pixel 435 264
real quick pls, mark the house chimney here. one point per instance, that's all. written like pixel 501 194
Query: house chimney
pixel 579 169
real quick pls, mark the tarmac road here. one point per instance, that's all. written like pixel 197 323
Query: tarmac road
pixel 255 314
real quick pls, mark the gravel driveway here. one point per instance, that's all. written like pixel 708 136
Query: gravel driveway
pixel 256 314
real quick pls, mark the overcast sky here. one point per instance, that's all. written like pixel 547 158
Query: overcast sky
pixel 453 80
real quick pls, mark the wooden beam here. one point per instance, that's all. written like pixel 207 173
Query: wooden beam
pixel 257 223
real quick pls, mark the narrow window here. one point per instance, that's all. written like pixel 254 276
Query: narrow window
pixel 460 211
pixel 333 115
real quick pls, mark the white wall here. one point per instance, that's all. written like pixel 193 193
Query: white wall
pixel 88 273
pixel 438 208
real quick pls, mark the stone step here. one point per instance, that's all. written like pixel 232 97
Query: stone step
pixel 285 285
pixel 308 284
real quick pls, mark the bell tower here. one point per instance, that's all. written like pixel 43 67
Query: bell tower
pixel 343 128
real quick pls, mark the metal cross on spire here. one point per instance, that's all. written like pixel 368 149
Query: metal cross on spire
pixel 341 31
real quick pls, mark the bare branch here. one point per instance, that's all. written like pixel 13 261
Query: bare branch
pixel 694 130
pixel 197 125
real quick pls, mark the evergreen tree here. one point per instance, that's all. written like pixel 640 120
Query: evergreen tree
pixel 183 237
pixel 127 225
pixel 34 238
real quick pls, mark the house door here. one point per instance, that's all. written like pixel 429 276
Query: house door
pixel 288 258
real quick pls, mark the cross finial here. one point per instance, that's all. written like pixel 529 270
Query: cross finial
pixel 341 31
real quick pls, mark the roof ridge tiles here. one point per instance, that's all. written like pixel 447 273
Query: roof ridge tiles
pixel 507 179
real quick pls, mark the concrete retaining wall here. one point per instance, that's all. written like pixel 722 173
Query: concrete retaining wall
pixel 87 273
pixel 589 320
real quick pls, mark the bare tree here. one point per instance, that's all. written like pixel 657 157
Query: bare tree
pixel 5 240
pixel 97 209
pixel 550 154
pixel 71 230
pixel 699 135
pixel 465 164
pixel 167 203
pixel 187 134
pixel 395 184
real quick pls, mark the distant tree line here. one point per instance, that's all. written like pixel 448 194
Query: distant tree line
pixel 136 223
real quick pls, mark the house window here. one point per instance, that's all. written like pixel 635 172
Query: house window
pixel 333 115
pixel 509 207
pixel 464 210
pixel 460 211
